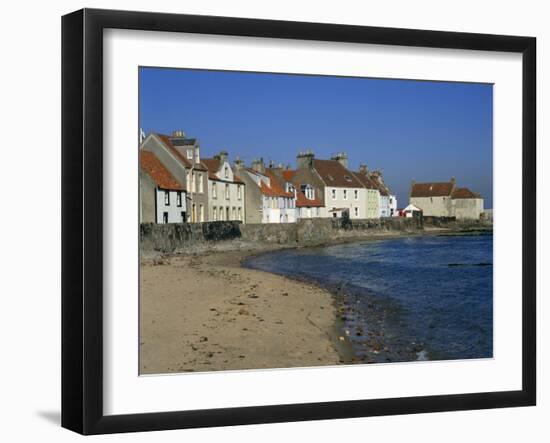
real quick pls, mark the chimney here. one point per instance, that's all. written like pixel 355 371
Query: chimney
pixel 363 169
pixel 238 163
pixel 453 180
pixel 178 133
pixel 304 159
pixel 258 165
pixel 342 158
pixel 377 174
pixel 222 156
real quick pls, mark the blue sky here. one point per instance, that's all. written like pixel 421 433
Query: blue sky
pixel 421 130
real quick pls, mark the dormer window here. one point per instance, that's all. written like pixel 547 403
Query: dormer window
pixel 189 154
pixel 226 172
pixel 330 177
pixel 347 178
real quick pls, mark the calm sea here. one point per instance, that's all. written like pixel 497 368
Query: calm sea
pixel 404 299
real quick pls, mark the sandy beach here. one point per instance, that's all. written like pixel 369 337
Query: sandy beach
pixel 207 313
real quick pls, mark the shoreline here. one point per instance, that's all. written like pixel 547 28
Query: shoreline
pixel 293 322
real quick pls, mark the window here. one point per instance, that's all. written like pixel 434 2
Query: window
pixel 190 154
pixel 214 213
pixel 345 194
pixel 431 200
pixel 239 192
pixel 183 217
pixel 356 210
pixel 188 180
pixel 334 194
pixel 178 199
pixel 165 217
pixel 227 213
pixel 201 188
pixel 214 190
pixel 166 198
pixel 240 214
pixel 234 213
pixel 193 182
pixel 221 213
pixel 201 211
pixel 227 191
pixel 347 178
pixel 356 194
pixel 226 172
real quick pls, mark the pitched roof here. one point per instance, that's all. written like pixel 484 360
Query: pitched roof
pixel 464 193
pixel 382 188
pixel 177 151
pixel 334 174
pixel 432 189
pixel 274 189
pixel 365 180
pixel 158 172
pixel 213 166
pixel 288 174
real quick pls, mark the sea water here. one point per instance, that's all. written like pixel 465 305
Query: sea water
pixel 413 298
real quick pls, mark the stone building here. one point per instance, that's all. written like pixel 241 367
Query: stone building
pixel 444 199
pixel 226 190
pixel 181 157
pixel 268 201
pixel 162 199
pixel 336 187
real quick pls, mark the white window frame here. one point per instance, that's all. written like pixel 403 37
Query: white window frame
pixel 333 193
pixel 166 198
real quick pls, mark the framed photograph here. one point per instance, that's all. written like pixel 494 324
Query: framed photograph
pixel 269 221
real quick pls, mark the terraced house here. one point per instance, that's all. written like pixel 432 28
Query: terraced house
pixel 181 157
pixel 337 188
pixel 225 189
pixel 388 201
pixel 267 201
pixel 372 192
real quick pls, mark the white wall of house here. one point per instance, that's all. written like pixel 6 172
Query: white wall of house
pixel 353 199
pixel 278 210
pixel 170 207
pixel 307 212
pixel 385 206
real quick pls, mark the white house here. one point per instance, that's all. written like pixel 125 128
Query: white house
pixel 225 189
pixel 388 201
pixel 162 198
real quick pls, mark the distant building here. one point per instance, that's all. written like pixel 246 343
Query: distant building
pixel 334 185
pixel 226 190
pixel 162 198
pixel 444 199
pixel 268 201
pixel 181 156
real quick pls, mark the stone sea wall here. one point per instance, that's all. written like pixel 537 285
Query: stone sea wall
pixel 197 237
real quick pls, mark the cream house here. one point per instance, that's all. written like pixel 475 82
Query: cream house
pixel 372 192
pixel 226 190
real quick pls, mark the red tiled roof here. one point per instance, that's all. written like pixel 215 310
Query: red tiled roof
pixel 288 175
pixel 275 189
pixel 464 193
pixel 432 189
pixel 365 180
pixel 336 175
pixel 158 172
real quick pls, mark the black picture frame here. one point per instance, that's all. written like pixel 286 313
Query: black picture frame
pixel 82 219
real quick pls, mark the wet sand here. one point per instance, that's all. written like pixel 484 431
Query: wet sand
pixel 207 313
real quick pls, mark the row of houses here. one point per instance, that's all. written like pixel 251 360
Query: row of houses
pixel 178 185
